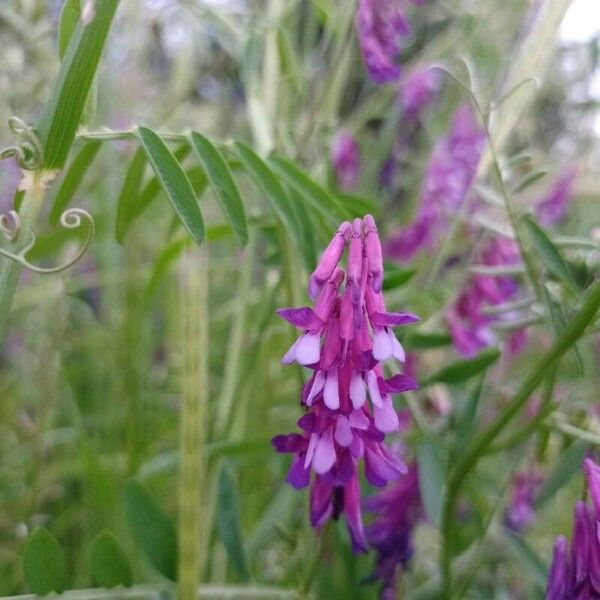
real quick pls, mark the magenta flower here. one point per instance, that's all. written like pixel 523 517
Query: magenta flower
pixel 345 159
pixel 520 512
pixel 446 184
pixel 575 575
pixel 417 91
pixel 553 208
pixel 340 426
pixel 380 25
pixel 469 325
pixel 398 509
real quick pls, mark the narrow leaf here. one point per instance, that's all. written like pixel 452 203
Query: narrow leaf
pixel 109 563
pixel 69 16
pixel 44 563
pixel 462 370
pixel 62 114
pixel 467 417
pixel 317 197
pixel 528 181
pixel 568 465
pixel 528 559
pixel 416 340
pixel 152 529
pixel 222 181
pixel 228 522
pixel 129 194
pixel 271 188
pixel 394 277
pixel 73 178
pixel 550 255
pixel 174 182
pixel 431 479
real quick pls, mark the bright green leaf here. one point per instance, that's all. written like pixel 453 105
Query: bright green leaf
pixel 222 181
pixel 394 277
pixel 462 370
pixel 129 193
pixel 73 178
pixel 44 563
pixel 174 182
pixel 228 522
pixel 69 17
pixel 108 562
pixel 152 529
pixel 431 479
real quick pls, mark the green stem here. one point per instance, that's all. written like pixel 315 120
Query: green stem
pixel 479 446
pixel 194 334
pixel 34 184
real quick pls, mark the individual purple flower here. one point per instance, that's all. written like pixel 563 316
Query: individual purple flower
pixel 380 25
pixel 469 323
pixel 340 427
pixel 575 574
pixel 417 91
pixel 520 512
pixel 446 184
pixel 345 159
pixel 553 208
pixel 398 508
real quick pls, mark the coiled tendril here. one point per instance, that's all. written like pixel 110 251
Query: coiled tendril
pixel 71 218
pixel 28 151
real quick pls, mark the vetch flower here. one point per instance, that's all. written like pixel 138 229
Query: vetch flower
pixel 345 159
pixel 520 512
pixel 347 400
pixel 417 91
pixel 553 208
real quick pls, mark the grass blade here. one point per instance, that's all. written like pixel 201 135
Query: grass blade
pixel 129 194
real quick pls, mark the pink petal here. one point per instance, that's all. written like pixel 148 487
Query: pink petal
pixel 385 417
pixel 358 420
pixel 317 387
pixel 343 433
pixel 308 349
pixel 380 319
pixel 324 457
pixel 302 318
pixel 397 384
pixel 310 451
pixel 331 394
pixel 358 390
pixel 373 389
pixel 382 345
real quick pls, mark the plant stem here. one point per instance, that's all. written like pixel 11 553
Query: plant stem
pixel 34 185
pixel 478 448
pixel 194 335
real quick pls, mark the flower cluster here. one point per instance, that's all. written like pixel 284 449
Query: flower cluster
pixel 398 509
pixel 345 159
pixel 520 512
pixel 469 324
pixel 575 572
pixel 380 25
pixel 339 426
pixel 417 91
pixel 448 178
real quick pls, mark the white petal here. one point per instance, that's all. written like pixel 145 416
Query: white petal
pixel 310 451
pixel 331 394
pixel 382 345
pixel 317 387
pixel 373 389
pixel 399 353
pixel 324 453
pixel 358 390
pixel 343 433
pixel 290 355
pixel 386 419
pixel 308 350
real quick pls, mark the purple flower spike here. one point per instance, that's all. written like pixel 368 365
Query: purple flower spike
pixel 348 404
pixel 345 159
pixel 417 91
pixel 553 208
pixel 557 580
pixel 592 474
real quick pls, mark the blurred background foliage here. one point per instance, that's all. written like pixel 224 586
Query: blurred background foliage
pixel 90 368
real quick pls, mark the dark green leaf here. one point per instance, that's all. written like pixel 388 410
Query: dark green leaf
pixel 108 562
pixel 568 465
pixel 62 114
pixel 73 178
pixel 462 370
pixel 174 182
pixel 431 479
pixel 395 277
pixel 44 563
pixel 314 195
pixel 129 194
pixel 228 522
pixel 222 181
pixel 550 255
pixel 467 417
pixel 69 16
pixel 152 529
pixel 416 340
pixel 271 188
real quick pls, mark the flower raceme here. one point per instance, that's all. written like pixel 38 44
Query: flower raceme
pixel 347 400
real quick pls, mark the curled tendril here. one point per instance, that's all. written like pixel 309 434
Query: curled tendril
pixel 29 151
pixel 70 219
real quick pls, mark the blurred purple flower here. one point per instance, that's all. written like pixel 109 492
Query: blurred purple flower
pixel 447 181
pixel 553 208
pixel 10 177
pixel 575 575
pixel 417 91
pixel 380 24
pixel 520 512
pixel 469 325
pixel 398 508
pixel 339 427
pixel 345 159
